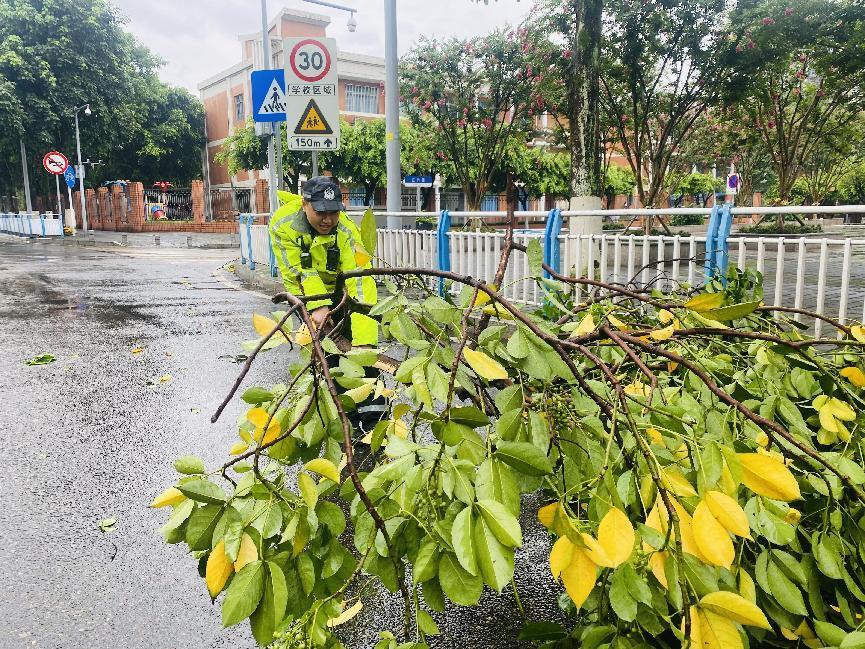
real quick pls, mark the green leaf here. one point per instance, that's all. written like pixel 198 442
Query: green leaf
pixel 853 640
pixel 460 586
pixel 732 312
pixel 623 604
pixel 495 481
pixel 368 235
pixel 42 359
pixel 536 257
pixel 257 396
pixel 542 632
pixel 199 529
pixel 830 634
pixel 189 464
pixel 785 591
pixel 469 416
pixel 501 522
pixel 243 594
pixel 461 538
pixel 433 595
pixel 331 516
pixel 426 563
pixel 202 491
pixel 107 524
pixel 306 571
pixel 525 457
pixel 518 345
pixel 828 557
pixel 426 624
pixel 230 530
pixel 269 614
pixel 307 489
pixel 496 562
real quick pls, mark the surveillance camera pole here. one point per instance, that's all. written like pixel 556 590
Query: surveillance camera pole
pixel 271 153
pixel 81 169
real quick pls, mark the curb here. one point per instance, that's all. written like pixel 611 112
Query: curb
pixel 256 279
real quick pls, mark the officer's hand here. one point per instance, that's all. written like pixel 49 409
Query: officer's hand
pixel 320 316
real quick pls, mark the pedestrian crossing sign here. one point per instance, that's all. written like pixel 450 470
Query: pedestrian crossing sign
pixel 268 95
pixel 312 121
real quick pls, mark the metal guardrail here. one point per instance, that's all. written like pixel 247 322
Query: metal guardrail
pixel 833 269
pixel 32 224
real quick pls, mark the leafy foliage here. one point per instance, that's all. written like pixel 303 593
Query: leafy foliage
pixel 698 457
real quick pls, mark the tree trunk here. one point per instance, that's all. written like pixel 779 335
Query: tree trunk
pixel 584 136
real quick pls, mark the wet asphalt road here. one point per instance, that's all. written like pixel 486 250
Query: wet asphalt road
pixel 86 438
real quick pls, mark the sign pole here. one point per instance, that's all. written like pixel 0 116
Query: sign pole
pixel 315 163
pixel 391 104
pixel 59 200
pixel 26 176
pixel 271 154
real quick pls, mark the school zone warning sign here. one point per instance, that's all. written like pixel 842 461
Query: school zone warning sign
pixel 312 121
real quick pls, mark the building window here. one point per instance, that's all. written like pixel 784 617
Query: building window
pixel 238 108
pixel 361 99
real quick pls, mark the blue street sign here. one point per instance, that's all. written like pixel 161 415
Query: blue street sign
pixel 268 95
pixel 69 176
pixel 418 181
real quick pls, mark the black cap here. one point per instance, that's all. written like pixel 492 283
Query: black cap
pixel 324 193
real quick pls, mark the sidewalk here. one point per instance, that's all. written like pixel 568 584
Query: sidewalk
pixel 207 240
pixel 259 278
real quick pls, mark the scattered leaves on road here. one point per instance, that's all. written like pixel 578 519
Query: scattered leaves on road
pixel 42 359
pixel 107 524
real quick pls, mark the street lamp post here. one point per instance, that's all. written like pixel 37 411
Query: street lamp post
pixel 87 112
pixel 391 116
pixel 271 152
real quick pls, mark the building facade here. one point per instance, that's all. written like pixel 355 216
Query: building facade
pixel 227 96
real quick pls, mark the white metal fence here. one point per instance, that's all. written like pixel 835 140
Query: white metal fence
pixel 31 224
pixel 818 273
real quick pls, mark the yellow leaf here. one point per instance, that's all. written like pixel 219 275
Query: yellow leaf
pixel 561 555
pixel 705 301
pixel 360 393
pixel 841 409
pixel 137 350
pixel 728 483
pixel 696 630
pixel 361 257
pixel 258 416
pixel 218 570
pixel 579 577
pixel 397 427
pixel 809 639
pixel 736 608
pixel 858 332
pixel 400 410
pixel 596 552
pixel 762 439
pixel 655 436
pixel 238 448
pixel 637 389
pixel 729 513
pixel 689 545
pixel 789 635
pixel 747 589
pixel 854 375
pixel 672 366
pixel 664 316
pixel 792 516
pixel 711 537
pixel 247 552
pixel 302 336
pixel 484 298
pixel 657 563
pixel 165 378
pixel 586 326
pixel 263 325
pixel 382 391
pixel 273 431
pixel 245 435
pixel 718 632
pixel 484 366
pixel 663 334
pixel 616 536
pixel 170 496
pixel 494 310
pixel 346 615
pixel 547 514
pixel 819 401
pixel 767 476
pixel 673 480
pixel 618 324
pixel 323 467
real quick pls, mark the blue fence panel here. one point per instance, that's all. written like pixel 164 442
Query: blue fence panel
pixel 444 251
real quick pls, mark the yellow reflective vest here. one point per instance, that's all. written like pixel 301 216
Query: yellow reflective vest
pixel 291 235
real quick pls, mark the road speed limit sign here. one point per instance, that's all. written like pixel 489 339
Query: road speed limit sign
pixel 311 94
pixel 310 60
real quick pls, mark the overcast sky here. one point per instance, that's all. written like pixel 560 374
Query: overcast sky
pixel 198 38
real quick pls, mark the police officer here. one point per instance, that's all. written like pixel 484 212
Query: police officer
pixel 313 240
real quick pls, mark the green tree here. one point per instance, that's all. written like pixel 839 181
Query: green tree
pixel 55 56
pixel 472 97
pixel 852 186
pixel 665 63
pixel 618 181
